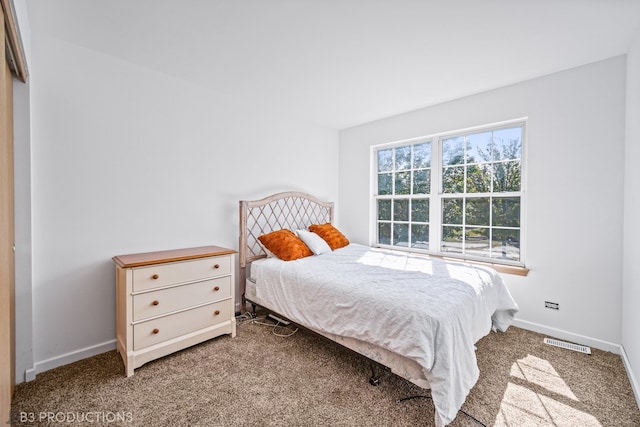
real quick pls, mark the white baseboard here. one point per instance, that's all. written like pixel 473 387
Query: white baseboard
pixel 635 386
pixel 70 357
pixel 30 374
pixel 568 336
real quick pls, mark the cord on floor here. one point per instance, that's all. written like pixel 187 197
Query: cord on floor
pixel 429 397
pixel 248 317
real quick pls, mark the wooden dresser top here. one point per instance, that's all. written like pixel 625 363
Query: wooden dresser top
pixel 160 257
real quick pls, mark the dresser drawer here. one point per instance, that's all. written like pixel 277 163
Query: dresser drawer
pixel 169 300
pixel 156 303
pixel 155 276
pixel 165 328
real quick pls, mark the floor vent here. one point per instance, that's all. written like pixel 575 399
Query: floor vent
pixel 569 346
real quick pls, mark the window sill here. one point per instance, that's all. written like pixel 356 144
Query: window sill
pixel 515 270
pixel 507 269
pixel 500 268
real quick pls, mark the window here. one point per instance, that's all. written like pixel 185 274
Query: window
pixel 458 194
pixel 404 187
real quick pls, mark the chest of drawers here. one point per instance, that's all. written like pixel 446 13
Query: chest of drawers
pixel 169 300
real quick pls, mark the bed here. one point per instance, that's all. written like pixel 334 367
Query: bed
pixel 418 316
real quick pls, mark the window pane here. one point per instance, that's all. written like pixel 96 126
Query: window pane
pixel 420 210
pixel 401 210
pixel 403 158
pixel 507 144
pixel 451 239
pixel 477 242
pixel 507 176
pixel 384 210
pixel 403 183
pixel 506 211
pixel 453 151
pixel 452 211
pixel 422 155
pixel 384 183
pixel 401 234
pixel 479 147
pixel 477 211
pixel 422 181
pixel 420 236
pixel 453 179
pixel 506 244
pixel 479 178
pixel 385 160
pixel 384 233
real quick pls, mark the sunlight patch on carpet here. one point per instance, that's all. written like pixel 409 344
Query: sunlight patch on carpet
pixel 521 406
pixel 540 372
pixel 545 402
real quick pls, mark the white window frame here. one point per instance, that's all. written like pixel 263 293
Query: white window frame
pixel 436 195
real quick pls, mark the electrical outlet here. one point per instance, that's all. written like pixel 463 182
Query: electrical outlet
pixel 552 305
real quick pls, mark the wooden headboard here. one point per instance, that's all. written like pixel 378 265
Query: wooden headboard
pixel 292 210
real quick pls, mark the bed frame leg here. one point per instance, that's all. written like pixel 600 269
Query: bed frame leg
pixel 374 380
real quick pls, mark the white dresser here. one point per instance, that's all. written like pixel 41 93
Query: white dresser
pixel 170 300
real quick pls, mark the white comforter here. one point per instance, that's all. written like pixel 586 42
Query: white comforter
pixel 425 309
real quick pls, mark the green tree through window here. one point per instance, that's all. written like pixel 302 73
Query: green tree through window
pixel 404 187
pixel 476 211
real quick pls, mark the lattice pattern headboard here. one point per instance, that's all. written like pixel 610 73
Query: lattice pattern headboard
pixel 292 210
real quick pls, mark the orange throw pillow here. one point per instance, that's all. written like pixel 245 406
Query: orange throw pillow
pixel 334 238
pixel 285 245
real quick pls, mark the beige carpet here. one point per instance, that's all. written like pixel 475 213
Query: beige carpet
pixel 261 379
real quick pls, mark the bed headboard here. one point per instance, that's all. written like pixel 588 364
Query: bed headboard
pixel 292 210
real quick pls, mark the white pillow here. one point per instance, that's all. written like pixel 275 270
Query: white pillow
pixel 314 242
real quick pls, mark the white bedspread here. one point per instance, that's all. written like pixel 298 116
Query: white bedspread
pixel 425 309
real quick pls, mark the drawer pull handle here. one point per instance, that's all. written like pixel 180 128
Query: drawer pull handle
pixel 216 266
pixel 217 288
pixel 155 277
pixel 156 302
pixel 217 312
pixel 156 330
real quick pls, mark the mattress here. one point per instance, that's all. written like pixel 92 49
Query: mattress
pixel 419 316
pixel 399 365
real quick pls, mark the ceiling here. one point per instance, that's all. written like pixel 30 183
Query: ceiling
pixel 340 63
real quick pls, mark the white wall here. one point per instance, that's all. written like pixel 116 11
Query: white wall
pixel 574 160
pixel 22 182
pixel 125 159
pixel 23 259
pixel 631 254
